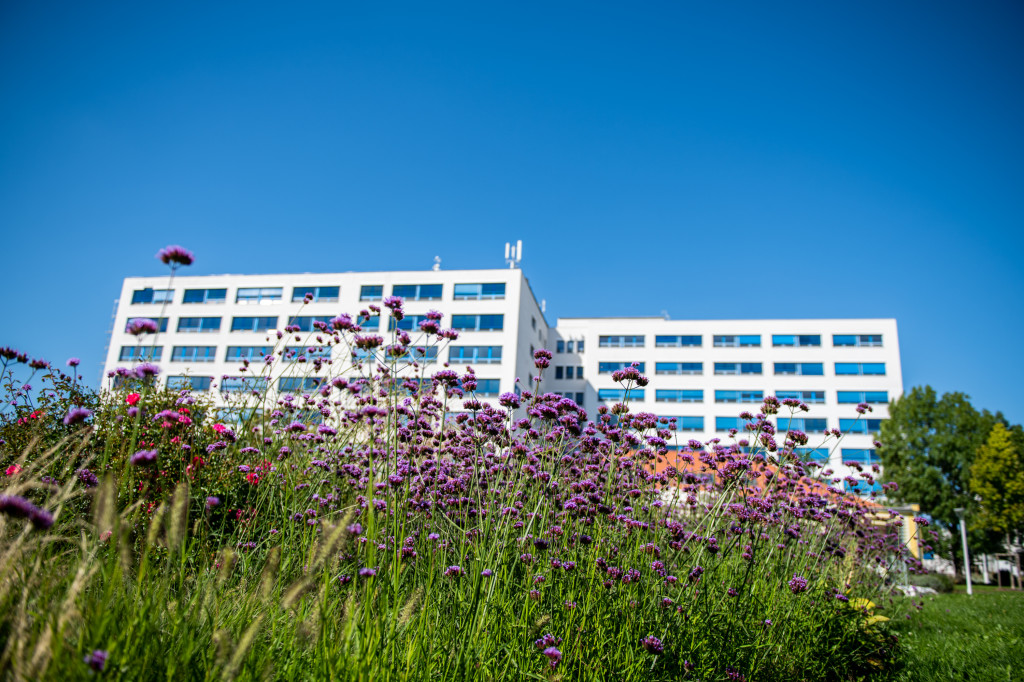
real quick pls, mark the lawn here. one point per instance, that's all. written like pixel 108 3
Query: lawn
pixel 961 637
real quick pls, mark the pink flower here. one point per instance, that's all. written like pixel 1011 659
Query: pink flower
pixel 13 470
pixel 132 398
pixel 220 428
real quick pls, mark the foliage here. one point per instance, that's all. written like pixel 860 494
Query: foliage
pixel 997 477
pixel 927 448
pixel 937 581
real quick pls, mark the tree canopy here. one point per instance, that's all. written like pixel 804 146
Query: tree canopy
pixel 997 478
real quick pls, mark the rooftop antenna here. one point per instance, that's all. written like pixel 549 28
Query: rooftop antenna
pixel 437 264
pixel 664 313
pixel 543 305
pixel 513 254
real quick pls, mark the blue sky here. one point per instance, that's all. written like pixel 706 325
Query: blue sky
pixel 707 159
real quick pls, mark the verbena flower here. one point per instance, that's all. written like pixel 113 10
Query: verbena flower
pixel 19 507
pixel 175 255
pixel 652 644
pixel 97 660
pixel 143 458
pixel 76 415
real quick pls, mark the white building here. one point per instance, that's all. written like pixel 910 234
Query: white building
pixel 702 372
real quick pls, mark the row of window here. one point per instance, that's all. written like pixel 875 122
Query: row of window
pixel 570 346
pixel 484 387
pixel 307 323
pixel 751 368
pixel 696 395
pixel 325 294
pixel 463 355
pixel 741 341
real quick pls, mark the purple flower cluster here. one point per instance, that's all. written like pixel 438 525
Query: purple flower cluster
pixel 21 508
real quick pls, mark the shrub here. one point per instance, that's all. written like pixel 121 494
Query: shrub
pixel 936 581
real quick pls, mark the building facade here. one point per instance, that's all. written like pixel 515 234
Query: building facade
pixel 703 373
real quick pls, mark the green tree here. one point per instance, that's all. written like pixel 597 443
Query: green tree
pixel 997 478
pixel 927 447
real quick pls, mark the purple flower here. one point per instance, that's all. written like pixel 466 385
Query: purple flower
pixel 921 521
pixel 487 573
pixel 97 660
pixel 142 325
pixel 367 572
pixel 453 571
pixel 175 255
pixel 146 369
pixel 143 458
pixel 652 644
pixel 212 502
pixel 798 584
pixel 509 400
pixel 74 362
pixel 76 415
pixel 554 656
pixel 88 478
pixel 20 508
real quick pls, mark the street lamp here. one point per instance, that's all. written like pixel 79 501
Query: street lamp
pixel 960 514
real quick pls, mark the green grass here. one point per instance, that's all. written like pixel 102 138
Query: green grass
pixel 960 637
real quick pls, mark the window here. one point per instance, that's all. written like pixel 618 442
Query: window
pixel 857 397
pixel 860 368
pixel 424 354
pixel 862 488
pixel 802 368
pixel 819 455
pixel 482 323
pixel 409 323
pixel 237 415
pixel 153 296
pixel 685 395
pixel 369 323
pixel 298 384
pixel 193 353
pixel 253 324
pixel 685 423
pixel 319 294
pixel 609 367
pixel 618 342
pixel 234 384
pixel 744 341
pixel 796 339
pixel 679 368
pixel 737 368
pixel 198 324
pixel 417 292
pixel 809 397
pixel 579 372
pixel 479 355
pixel 161 322
pixel 559 346
pixel 805 424
pixel 861 455
pixel 304 353
pixel 258 295
pixel 487 387
pixel 371 292
pixel 579 346
pixel 576 397
pixel 619 394
pixel 726 423
pixel 307 323
pixel 559 372
pixel 676 341
pixel 181 383
pixel 205 295
pixel 739 396
pixel 858 340
pixel 475 292
pixel 141 353
pixel 239 353
pixel 860 425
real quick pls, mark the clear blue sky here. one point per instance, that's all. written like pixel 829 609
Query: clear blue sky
pixel 710 159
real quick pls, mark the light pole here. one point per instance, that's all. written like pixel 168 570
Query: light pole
pixel 960 513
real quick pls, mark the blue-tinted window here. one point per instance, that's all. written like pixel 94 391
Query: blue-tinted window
pixel 238 353
pixel 417 292
pixel 478 322
pixel 153 295
pixel 153 353
pixel 812 454
pixel 609 367
pixel 738 396
pixel 676 341
pixel 685 395
pixel 421 354
pixel 253 324
pixel 860 425
pixel 371 292
pixel 857 397
pixel 796 339
pixel 318 294
pixel 479 355
pixel 198 324
pixel 409 323
pixel 738 368
pixel 619 394
pixel 619 342
pixel 306 353
pixel 161 322
pixel 805 424
pixel 809 397
pixel 258 294
pixel 726 423
pixel 740 341
pixel 862 488
pixel 860 368
pixel 487 387
pixel 861 455
pixel 469 292
pixel 233 384
pixel 205 295
pixel 193 353
pixel 802 368
pixel 857 340
pixel 690 423
pixel 679 368
pixel 559 346
pixel 308 323
pixel 298 384
pixel 181 383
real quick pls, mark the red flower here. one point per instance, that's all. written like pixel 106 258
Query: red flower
pixel 13 470
pixel 133 398
pixel 253 478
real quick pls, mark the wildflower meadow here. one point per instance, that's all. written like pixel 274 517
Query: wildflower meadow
pixel 390 525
